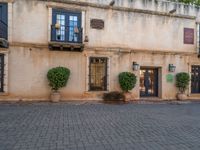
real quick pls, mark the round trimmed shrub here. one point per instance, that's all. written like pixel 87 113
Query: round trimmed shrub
pixel 182 81
pixel 58 77
pixel 127 81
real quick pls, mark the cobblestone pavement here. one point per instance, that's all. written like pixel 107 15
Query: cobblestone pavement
pixel 63 126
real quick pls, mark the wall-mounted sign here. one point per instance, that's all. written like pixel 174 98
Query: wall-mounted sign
pixel 97 24
pixel 170 78
pixel 188 36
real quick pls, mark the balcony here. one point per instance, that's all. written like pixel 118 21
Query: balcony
pixel 3 35
pixel 66 38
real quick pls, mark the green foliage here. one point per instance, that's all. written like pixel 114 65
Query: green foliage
pixel 195 2
pixel 182 81
pixel 58 77
pixel 127 81
pixel 114 96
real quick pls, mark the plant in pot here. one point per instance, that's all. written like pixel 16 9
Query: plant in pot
pixel 182 83
pixel 127 81
pixel 57 78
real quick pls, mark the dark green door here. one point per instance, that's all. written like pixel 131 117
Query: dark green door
pixel 195 81
pixel 148 82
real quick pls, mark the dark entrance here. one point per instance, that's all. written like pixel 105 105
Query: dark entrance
pixel 1 72
pixel 148 82
pixel 195 82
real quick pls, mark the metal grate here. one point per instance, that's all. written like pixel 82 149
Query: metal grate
pixel 195 81
pixel 98 74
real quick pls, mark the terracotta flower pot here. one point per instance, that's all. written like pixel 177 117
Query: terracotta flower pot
pixel 181 96
pixel 128 96
pixel 55 96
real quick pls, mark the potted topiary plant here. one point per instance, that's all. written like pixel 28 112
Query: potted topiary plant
pixel 182 83
pixel 58 78
pixel 127 81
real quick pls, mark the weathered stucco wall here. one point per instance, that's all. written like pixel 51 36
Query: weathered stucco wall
pixel 139 31
pixel 122 28
pixel 128 36
pixel 28 69
pixel 30 21
pixel 158 5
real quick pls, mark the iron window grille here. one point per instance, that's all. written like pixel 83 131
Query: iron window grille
pixel 98 74
pixel 195 79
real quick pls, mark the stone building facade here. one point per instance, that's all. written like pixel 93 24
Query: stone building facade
pixel 96 40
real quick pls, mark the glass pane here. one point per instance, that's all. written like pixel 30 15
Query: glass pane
pixel 75 18
pixel 62 17
pixel 73 29
pixel 148 82
pixel 70 17
pixel 60 32
pixel 0 12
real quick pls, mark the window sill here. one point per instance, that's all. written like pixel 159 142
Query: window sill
pixel 66 46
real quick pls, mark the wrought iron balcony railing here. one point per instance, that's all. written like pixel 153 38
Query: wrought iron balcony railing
pixel 67 34
pixel 3 30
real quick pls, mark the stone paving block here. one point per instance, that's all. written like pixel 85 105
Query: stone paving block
pixel 66 126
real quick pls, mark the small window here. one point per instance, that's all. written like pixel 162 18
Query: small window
pixel 188 36
pixel 66 26
pixel 98 74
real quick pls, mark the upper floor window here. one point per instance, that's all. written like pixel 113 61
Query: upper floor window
pixel 66 26
pixel 4 21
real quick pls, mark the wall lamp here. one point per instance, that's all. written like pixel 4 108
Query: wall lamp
pixel 136 66
pixel 172 68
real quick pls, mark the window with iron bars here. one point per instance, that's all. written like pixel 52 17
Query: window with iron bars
pixel 98 74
